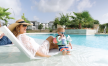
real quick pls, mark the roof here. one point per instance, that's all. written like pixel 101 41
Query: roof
pixel 51 22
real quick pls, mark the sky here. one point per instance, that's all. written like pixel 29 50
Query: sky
pixel 45 11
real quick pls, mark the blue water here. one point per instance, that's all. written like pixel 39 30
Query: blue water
pixel 95 41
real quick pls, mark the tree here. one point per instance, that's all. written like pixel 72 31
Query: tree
pixel 64 19
pixel 40 27
pixel 82 18
pixel 4 15
pixel 102 26
pixel 56 21
pixel 73 24
pixel 96 21
pixel 25 19
pixel 46 28
pixel 50 29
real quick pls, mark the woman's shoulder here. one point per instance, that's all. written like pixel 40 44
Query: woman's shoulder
pixel 22 35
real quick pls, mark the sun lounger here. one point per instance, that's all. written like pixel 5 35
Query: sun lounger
pixel 16 42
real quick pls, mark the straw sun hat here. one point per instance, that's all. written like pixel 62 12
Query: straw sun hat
pixel 18 22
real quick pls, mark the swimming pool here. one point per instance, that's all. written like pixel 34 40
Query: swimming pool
pixel 82 54
pixel 95 41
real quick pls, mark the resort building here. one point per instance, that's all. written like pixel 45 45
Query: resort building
pixel 50 24
pixel 34 26
pixel 45 25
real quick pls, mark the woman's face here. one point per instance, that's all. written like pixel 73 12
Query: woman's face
pixel 22 28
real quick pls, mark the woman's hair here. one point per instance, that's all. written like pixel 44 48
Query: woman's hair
pixel 16 30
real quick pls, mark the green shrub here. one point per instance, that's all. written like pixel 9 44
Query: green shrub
pixel 50 30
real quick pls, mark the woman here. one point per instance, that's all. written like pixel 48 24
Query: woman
pixel 19 28
pixel 4 40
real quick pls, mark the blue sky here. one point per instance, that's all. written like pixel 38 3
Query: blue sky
pixel 47 10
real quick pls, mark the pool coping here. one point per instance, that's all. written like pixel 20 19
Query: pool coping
pixel 51 33
pixel 72 34
pixel 40 33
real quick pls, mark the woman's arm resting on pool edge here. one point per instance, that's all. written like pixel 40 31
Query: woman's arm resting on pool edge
pixel 41 54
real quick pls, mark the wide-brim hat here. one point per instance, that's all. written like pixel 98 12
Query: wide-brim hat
pixel 18 22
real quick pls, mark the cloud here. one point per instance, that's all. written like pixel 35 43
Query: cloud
pixel 105 15
pixel 53 5
pixel 84 4
pixel 14 5
pixel 103 21
pixel 77 0
pixel 104 18
pixel 32 7
pixel 36 18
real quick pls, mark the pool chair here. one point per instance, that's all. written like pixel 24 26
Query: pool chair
pixel 22 49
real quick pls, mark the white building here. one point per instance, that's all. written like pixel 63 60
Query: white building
pixel 34 26
pixel 45 25
pixel 50 25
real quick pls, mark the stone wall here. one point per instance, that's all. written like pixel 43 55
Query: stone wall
pixel 80 31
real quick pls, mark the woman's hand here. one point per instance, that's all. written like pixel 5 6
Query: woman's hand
pixel 1 35
pixel 41 54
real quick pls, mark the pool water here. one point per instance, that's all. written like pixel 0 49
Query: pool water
pixel 95 41
pixel 86 51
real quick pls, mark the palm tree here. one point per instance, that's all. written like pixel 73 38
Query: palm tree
pixel 82 18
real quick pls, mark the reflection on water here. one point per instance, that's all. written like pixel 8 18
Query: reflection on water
pixel 80 56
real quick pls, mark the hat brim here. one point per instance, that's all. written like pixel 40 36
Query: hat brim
pixel 12 26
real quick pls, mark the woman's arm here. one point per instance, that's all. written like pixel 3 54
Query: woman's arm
pixel 41 54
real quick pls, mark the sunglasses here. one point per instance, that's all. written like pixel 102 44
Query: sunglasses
pixel 24 25
pixel 62 32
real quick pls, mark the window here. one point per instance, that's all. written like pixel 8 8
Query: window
pixel 33 23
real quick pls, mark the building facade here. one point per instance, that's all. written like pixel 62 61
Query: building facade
pixel 45 25
pixel 51 25
pixel 34 26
